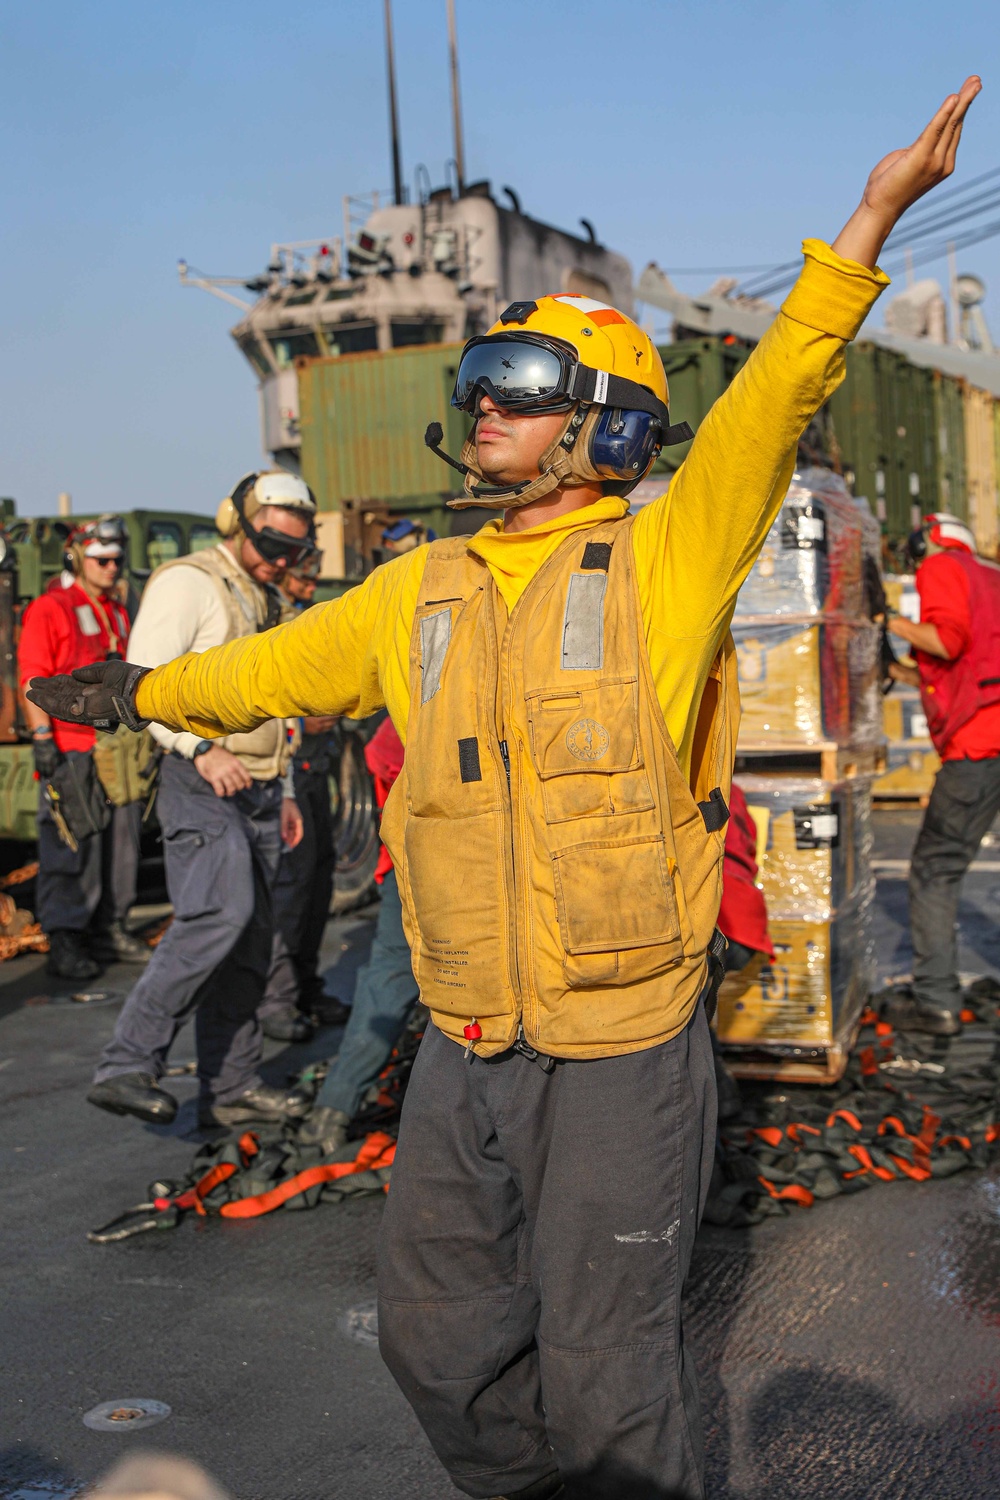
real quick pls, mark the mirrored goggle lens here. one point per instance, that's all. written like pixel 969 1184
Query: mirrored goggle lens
pixel 520 374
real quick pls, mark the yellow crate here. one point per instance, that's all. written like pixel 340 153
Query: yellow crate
pixel 903 715
pixel 814 990
pixel 910 771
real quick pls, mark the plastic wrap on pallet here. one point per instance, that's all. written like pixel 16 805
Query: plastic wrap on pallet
pixel 812 993
pixel 814 842
pixel 805 682
pixel 811 560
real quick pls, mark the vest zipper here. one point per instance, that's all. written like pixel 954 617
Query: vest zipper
pixel 505 753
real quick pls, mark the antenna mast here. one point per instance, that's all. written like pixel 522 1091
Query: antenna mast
pixel 390 62
pixel 456 98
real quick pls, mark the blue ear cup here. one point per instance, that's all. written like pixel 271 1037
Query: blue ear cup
pixel 625 443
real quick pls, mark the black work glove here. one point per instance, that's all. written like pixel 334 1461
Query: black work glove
pixel 47 756
pixel 102 695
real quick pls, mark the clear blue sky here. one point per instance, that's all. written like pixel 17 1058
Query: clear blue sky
pixel 712 133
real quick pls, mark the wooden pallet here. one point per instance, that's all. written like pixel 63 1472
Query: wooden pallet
pixel 827 760
pixel 898 801
pixel 825 1068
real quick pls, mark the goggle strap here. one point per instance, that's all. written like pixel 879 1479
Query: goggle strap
pixel 613 390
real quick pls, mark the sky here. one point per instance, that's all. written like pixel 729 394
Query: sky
pixel 694 134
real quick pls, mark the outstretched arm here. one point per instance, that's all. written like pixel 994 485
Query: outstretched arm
pixel 695 547
pixel 345 657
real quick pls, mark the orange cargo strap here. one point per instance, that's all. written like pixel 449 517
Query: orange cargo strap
pixel 377 1151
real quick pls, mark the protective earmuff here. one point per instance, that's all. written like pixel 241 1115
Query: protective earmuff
pixel 624 444
pixel 237 507
pixel 73 559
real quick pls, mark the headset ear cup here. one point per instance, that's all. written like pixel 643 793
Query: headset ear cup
pixel 624 444
pixel 227 521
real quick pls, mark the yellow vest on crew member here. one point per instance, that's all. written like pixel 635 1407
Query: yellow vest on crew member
pixel 574 895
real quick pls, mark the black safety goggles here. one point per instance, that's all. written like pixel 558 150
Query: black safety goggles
pixel 277 546
pixel 529 372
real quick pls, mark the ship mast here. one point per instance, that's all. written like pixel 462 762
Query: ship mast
pixel 390 62
pixel 456 99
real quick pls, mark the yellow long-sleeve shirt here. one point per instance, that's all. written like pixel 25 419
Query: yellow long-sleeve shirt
pixel 693 549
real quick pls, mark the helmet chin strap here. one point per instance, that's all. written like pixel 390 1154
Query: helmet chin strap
pixel 556 466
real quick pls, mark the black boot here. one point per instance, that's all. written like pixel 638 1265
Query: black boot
pixel 287 1025
pixel 114 945
pixel 325 1127
pixel 256 1105
pixel 67 958
pixel 134 1094
pixel 905 1012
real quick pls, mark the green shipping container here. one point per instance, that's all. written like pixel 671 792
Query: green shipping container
pixel 698 371
pixel 362 420
pixel 897 429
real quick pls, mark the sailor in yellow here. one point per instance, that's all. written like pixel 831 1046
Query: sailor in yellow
pixel 563 683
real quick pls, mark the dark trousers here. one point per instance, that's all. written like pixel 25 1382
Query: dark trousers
pixel 93 885
pixel 384 995
pixel 531 1259
pixel 302 893
pixel 963 804
pixel 220 855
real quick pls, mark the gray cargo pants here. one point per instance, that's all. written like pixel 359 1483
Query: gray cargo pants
pixel 531 1258
pixel 93 885
pixel 221 854
pixel 963 804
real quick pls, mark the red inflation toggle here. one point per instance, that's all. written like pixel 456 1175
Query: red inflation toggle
pixel 473 1031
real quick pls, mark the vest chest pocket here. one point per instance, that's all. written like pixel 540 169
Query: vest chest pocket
pixel 617 908
pixel 586 752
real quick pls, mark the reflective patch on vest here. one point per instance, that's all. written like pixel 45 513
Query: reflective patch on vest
pixel 583 625
pixel 468 760
pixel 435 636
pixel 87 620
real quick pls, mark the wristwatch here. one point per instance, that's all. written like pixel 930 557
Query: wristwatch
pixel 201 747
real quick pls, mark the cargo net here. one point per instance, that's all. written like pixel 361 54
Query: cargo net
pixel 250 1172
pixel 809 654
pixel 909 1108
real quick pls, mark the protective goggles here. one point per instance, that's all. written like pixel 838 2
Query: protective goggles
pixel 529 372
pixel 277 546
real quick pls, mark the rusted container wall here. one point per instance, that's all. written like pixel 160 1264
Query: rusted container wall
pixel 981 468
pixel 363 418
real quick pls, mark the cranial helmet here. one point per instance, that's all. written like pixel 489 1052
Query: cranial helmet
pixel 567 353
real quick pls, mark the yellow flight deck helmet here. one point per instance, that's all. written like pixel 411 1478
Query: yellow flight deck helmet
pixel 567 353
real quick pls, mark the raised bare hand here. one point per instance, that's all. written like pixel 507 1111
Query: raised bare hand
pixel 904 176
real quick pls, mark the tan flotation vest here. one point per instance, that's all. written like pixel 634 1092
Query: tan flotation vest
pixel 557 871
pixel 266 750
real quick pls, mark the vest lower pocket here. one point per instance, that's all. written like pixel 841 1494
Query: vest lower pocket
pixel 459 910
pixel 617 908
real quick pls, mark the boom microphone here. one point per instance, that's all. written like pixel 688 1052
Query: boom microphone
pixel 432 437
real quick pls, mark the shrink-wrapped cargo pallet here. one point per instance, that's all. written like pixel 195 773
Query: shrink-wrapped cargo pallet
pixel 808 682
pixel 814 842
pixel 799 1010
pixel 812 560
pixel 808 655
pixel 795 1016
